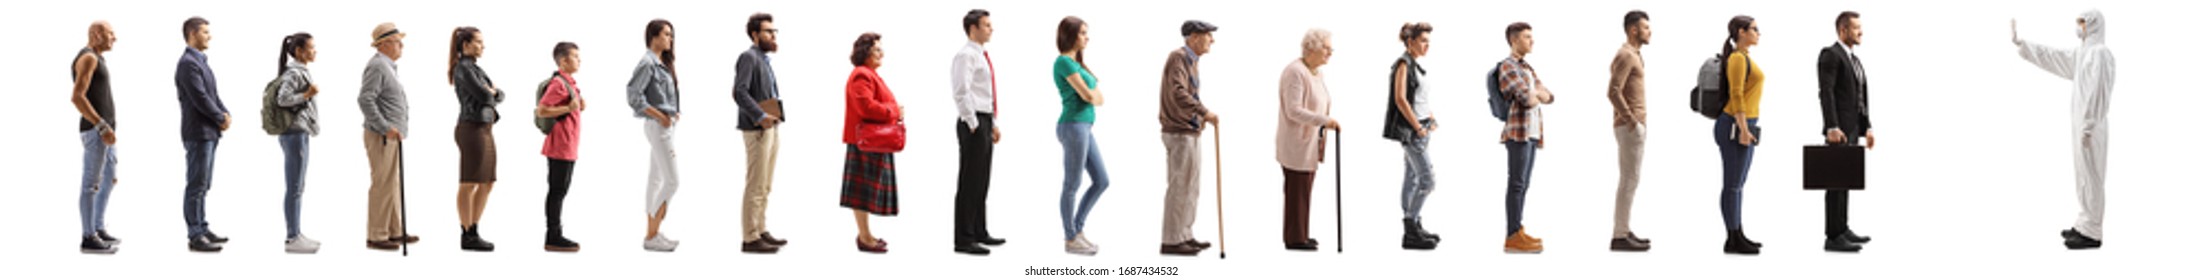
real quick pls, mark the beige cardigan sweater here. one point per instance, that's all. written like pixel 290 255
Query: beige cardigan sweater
pixel 1304 106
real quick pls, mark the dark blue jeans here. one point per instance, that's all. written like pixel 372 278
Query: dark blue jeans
pixel 1736 165
pixel 1521 156
pixel 294 179
pixel 198 178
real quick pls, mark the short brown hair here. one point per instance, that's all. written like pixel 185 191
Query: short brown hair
pixel 193 25
pixel 1413 30
pixel 1515 28
pixel 862 52
pixel 1844 19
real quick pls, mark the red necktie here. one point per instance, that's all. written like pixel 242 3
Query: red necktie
pixel 996 99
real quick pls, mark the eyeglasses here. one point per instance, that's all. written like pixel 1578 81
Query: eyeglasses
pixel 774 31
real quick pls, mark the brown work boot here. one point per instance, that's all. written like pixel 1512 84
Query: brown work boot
pixel 1522 243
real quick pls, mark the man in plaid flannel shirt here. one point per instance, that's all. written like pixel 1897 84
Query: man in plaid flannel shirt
pixel 1523 134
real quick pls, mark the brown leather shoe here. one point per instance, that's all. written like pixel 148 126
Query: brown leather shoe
pixel 385 245
pixel 769 239
pixel 760 246
pixel 1181 249
pixel 1198 243
pixel 1625 244
pixel 408 239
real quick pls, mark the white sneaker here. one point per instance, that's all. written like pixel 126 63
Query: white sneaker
pixel 301 245
pixel 660 244
pixel 1089 244
pixel 1078 248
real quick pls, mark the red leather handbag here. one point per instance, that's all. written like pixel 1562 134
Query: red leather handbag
pixel 880 137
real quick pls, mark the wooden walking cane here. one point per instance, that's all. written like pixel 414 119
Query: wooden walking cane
pixel 1337 191
pixel 1219 150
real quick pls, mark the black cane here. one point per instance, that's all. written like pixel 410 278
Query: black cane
pixel 1337 191
pixel 404 231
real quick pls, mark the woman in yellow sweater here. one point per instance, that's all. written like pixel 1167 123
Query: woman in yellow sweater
pixel 1737 129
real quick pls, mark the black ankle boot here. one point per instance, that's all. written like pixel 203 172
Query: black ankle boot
pixel 471 240
pixel 1412 236
pixel 1419 231
pixel 1739 245
pixel 555 240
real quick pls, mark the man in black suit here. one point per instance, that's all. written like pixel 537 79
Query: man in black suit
pixel 1844 119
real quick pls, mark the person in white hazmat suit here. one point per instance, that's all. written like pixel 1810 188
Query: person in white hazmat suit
pixel 2091 68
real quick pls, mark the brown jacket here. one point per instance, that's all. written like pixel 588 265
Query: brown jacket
pixel 1181 95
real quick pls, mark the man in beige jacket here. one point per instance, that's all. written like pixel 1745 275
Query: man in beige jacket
pixel 1626 90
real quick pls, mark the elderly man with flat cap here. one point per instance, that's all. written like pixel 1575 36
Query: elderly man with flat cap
pixel 1182 116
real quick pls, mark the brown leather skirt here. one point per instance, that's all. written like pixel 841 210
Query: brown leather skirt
pixel 477 152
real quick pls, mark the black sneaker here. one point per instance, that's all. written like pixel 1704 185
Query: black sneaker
pixel 555 243
pixel 205 244
pixel 93 245
pixel 110 239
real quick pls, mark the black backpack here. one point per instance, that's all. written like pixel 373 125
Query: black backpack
pixel 1499 101
pixel 1711 96
pixel 544 124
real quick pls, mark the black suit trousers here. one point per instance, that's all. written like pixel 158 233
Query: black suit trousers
pixel 975 158
pixel 1839 200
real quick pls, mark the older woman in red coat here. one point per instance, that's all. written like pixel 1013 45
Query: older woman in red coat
pixel 868 177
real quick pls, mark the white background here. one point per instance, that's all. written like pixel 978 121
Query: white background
pixel 1972 178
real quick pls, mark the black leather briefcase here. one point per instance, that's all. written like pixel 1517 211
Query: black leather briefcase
pixel 1840 167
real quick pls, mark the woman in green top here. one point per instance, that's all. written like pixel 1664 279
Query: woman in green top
pixel 1075 129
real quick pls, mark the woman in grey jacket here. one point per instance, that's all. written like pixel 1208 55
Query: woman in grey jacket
pixel 295 91
pixel 478 98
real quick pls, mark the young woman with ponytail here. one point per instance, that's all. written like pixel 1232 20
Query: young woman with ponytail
pixel 478 99
pixel 1735 132
pixel 295 91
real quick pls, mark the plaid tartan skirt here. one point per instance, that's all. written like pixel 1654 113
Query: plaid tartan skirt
pixel 868 182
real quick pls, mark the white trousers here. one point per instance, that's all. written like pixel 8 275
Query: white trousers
pixel 2091 154
pixel 1630 145
pixel 665 177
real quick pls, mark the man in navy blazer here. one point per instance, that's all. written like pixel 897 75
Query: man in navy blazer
pixel 204 119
